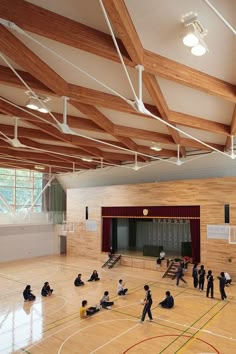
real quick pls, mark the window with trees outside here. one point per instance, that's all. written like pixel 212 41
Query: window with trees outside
pixel 19 189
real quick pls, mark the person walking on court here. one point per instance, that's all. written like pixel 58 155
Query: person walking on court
pixel 121 290
pixel 78 281
pixel 210 284
pixel 147 304
pixel 195 276
pixel 222 283
pixel 94 276
pixel 179 274
pixel 168 302
pixel 201 279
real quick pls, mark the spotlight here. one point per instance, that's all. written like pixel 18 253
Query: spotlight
pixel 31 104
pixel 37 102
pixel 156 147
pixel 195 34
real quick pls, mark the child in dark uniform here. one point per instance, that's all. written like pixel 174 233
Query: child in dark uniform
pixel 195 276
pixel 222 283
pixel 147 304
pixel 168 302
pixel 201 279
pixel 27 295
pixel 210 284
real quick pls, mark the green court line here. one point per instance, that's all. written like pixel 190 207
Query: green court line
pixel 185 331
pixel 203 325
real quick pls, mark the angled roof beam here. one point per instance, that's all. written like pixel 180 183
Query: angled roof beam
pixel 123 24
pixel 64 30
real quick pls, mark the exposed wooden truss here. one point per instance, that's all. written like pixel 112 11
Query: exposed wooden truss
pixel 66 152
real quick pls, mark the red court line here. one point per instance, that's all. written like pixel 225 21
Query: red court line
pixel 170 335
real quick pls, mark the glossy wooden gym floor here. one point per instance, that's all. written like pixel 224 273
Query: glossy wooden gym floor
pixel 52 325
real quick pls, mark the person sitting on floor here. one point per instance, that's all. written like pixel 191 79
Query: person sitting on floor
pixel 121 290
pixel 46 290
pixel 168 302
pixel 228 279
pixel 28 296
pixel 105 301
pixel 85 311
pixel 78 281
pixel 94 276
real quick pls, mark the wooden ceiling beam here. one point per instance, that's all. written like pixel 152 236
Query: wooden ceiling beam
pixel 120 18
pixel 101 99
pixel 195 144
pixel 59 28
pixel 143 134
pixel 48 129
pixel 67 31
pixel 98 118
pixel 232 130
pixel 14 49
pixel 123 25
pixel 184 75
pixel 198 123
pixel 160 102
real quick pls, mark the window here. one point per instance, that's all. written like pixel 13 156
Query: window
pixel 19 189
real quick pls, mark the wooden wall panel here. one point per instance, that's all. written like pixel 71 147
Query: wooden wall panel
pixel 210 194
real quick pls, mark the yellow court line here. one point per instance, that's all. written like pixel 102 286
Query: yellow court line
pixel 193 338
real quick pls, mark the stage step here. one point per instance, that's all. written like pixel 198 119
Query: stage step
pixel 171 270
pixel 112 261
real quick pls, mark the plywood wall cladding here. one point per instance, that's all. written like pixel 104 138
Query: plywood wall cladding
pixel 210 194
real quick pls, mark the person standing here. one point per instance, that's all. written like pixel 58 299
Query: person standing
pixel 222 283
pixel 179 274
pixel 147 304
pixel 168 302
pixel 210 284
pixel 201 279
pixel 121 290
pixel 195 276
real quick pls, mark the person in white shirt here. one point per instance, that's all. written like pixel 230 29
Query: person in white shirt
pixel 228 279
pixel 161 258
pixel 121 290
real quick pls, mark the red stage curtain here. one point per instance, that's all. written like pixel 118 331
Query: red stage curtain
pixel 106 234
pixel 195 238
pixel 181 212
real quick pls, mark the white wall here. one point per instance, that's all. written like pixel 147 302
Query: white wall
pixel 26 241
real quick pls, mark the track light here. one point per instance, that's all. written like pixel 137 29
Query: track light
pixel 37 102
pixel 195 33
pixel 156 147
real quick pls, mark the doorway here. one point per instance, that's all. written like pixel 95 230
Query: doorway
pixel 63 244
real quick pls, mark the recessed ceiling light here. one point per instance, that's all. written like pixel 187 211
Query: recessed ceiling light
pixel 86 159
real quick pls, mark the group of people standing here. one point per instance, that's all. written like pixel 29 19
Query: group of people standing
pixel 199 277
